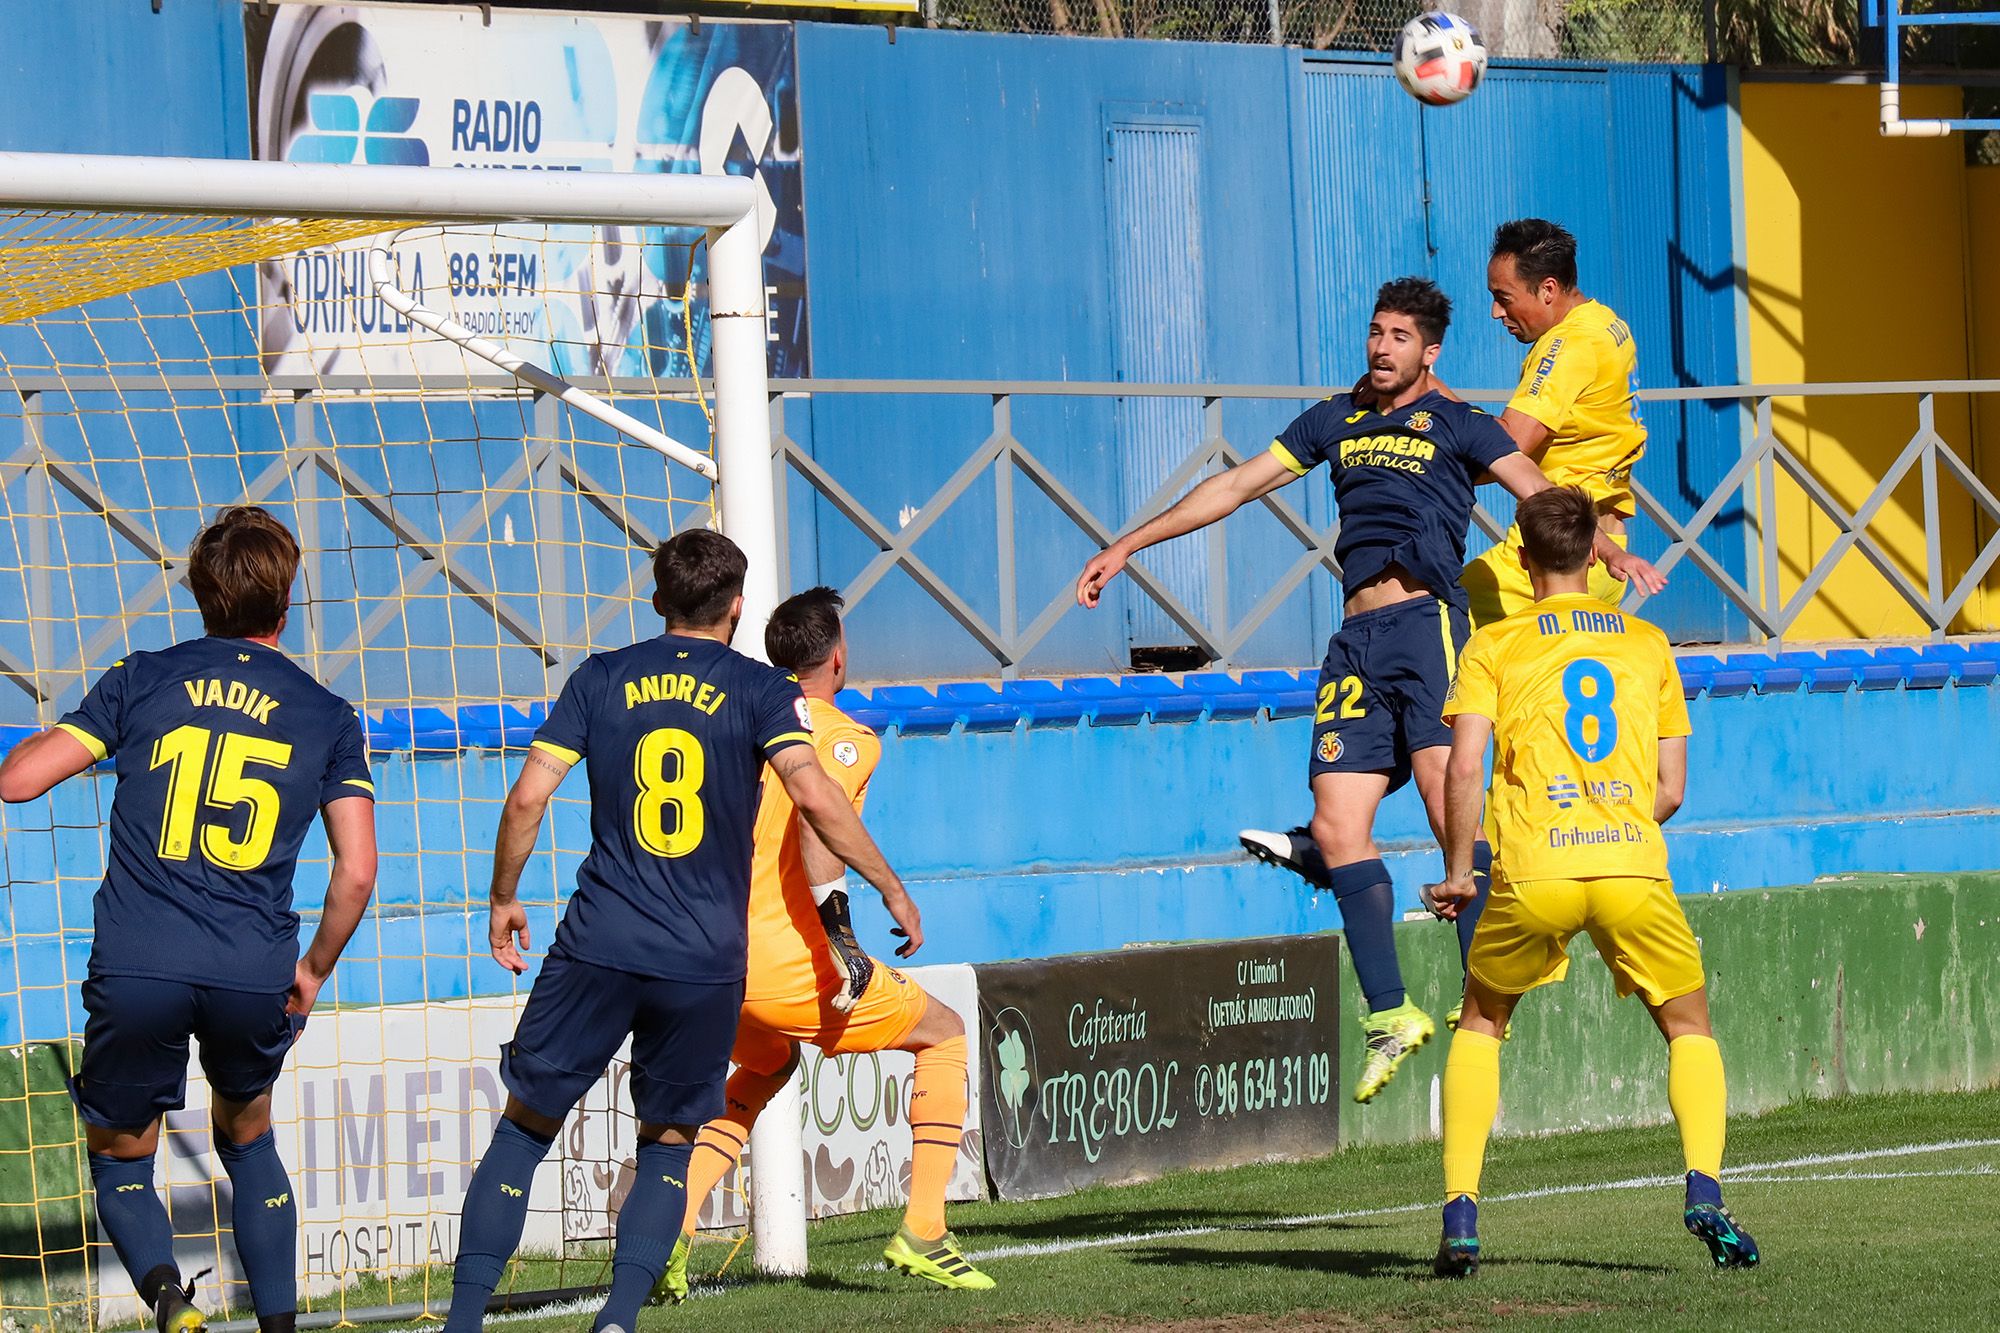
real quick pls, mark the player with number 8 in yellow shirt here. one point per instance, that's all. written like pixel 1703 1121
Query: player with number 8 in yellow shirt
pixel 1584 710
pixel 677 731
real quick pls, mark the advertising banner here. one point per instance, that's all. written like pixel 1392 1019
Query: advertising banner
pixel 382 1114
pixel 1116 1067
pixel 506 90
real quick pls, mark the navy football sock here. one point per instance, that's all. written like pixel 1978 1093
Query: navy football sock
pixel 136 1221
pixel 266 1219
pixel 1367 913
pixel 496 1210
pixel 1703 1189
pixel 648 1226
pixel 1461 1217
pixel 1482 880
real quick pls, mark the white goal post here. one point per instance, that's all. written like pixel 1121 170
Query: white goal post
pixel 744 495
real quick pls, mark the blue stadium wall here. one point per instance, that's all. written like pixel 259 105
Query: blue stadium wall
pixel 1046 840
pixel 1035 208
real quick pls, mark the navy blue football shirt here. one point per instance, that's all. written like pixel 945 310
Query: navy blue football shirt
pixel 677 730
pixel 1403 481
pixel 225 751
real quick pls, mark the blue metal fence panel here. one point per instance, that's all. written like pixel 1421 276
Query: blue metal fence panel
pixel 1159 318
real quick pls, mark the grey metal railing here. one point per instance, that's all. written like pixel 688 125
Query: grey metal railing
pixel 1748 492
pixel 1750 486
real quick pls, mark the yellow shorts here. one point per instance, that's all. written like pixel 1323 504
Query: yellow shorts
pixel 888 1011
pixel 1638 926
pixel 1496 586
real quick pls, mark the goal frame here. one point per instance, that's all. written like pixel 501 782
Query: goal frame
pixel 745 493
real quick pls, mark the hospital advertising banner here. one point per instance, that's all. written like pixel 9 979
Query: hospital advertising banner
pixel 458 89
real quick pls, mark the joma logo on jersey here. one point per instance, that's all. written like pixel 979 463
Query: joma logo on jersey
pixel 278 1202
pixel 511 1191
pixel 124 1189
pixel 383 141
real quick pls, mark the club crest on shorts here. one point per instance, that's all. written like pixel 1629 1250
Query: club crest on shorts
pixel 848 753
pixel 1329 748
pixel 1419 421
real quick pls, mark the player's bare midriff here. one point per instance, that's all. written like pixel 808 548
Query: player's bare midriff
pixel 1393 585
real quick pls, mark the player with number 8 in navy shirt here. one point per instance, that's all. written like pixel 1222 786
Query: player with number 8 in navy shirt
pixel 225 751
pixel 679 731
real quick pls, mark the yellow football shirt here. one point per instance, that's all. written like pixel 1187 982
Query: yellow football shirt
pixel 1579 695
pixel 1577 381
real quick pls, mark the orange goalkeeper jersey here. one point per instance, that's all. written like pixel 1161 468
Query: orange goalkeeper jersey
pixel 788 949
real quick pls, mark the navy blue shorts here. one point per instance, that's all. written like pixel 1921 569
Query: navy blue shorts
pixel 135 1046
pixel 578 1015
pixel 1382 688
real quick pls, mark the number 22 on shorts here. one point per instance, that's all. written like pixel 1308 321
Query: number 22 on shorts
pixel 1338 699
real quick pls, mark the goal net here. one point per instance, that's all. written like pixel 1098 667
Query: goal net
pixel 469 534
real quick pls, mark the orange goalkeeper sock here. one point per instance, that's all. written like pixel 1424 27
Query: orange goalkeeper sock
pixel 937 1122
pixel 721 1141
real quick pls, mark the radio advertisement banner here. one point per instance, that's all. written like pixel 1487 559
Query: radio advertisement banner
pixel 452 88
pixel 1117 1067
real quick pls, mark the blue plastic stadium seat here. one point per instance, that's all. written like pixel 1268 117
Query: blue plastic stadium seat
pixel 1916 667
pixel 1284 693
pixel 428 728
pixel 1043 703
pixel 1694 674
pixel 1822 676
pixel 1872 673
pixel 857 706
pixel 980 707
pixel 1228 698
pixel 1167 700
pixel 501 726
pixel 1109 705
pixel 1720 680
pixel 388 732
pixel 1968 667
pixel 914 710
pixel 1771 675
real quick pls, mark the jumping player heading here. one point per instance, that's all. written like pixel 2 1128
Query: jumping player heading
pixel 1404 467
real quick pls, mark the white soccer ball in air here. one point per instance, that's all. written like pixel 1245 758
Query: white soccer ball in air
pixel 1439 58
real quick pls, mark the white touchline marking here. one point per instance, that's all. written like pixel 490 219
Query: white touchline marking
pixel 1750 1173
pixel 1548 1191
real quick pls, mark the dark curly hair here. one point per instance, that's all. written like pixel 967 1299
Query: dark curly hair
pixel 1420 299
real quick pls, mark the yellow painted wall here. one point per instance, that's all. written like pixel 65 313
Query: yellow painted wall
pixel 1857 256
pixel 1982 230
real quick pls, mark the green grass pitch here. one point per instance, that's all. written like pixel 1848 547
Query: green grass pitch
pixel 1862 1215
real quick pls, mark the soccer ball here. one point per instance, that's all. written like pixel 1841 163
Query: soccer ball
pixel 1439 58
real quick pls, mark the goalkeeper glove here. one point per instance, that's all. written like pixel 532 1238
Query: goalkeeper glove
pixel 852 961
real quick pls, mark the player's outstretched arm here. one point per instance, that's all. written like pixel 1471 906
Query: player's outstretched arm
pixel 1464 796
pixel 825 808
pixel 38 763
pixel 1626 567
pixel 827 874
pixel 520 825
pixel 1519 474
pixel 350 832
pixel 1213 500
pixel 1667 797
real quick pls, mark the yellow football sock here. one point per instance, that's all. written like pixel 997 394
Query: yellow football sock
pixel 721 1140
pixel 937 1122
pixel 1471 1101
pixel 1696 1091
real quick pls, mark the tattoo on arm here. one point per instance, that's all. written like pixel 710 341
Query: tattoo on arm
pixel 791 761
pixel 547 763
